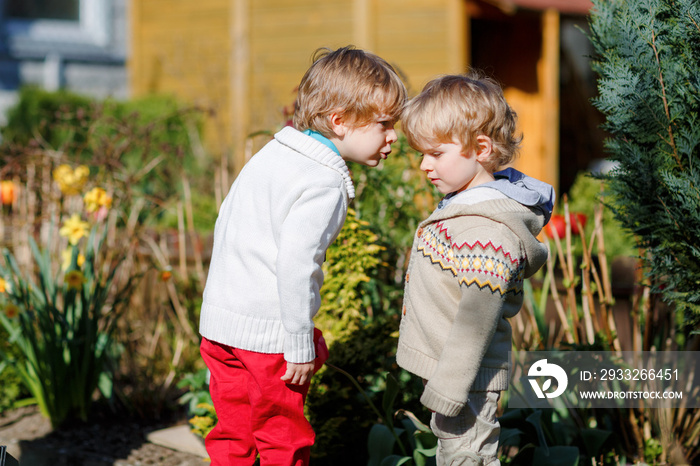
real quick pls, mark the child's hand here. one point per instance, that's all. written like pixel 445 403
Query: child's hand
pixel 298 374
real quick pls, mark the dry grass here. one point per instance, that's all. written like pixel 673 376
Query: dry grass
pixel 575 309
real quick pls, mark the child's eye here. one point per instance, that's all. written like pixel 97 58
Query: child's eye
pixel 387 124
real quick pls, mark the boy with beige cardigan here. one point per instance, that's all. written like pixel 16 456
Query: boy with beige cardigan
pixel 468 261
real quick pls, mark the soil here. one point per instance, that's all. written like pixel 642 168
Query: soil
pixel 105 442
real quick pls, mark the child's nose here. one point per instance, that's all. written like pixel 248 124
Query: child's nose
pixel 391 136
pixel 425 164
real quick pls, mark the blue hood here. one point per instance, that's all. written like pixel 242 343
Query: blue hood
pixel 524 189
pixel 512 184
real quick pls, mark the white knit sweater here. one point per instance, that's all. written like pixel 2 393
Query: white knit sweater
pixel 283 211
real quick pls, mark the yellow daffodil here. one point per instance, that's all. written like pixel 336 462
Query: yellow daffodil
pixel 74 229
pixel 3 285
pixel 11 310
pixel 97 198
pixel 71 181
pixel 74 279
pixel 67 255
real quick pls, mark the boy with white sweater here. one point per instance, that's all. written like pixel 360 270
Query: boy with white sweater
pixel 468 261
pixel 284 209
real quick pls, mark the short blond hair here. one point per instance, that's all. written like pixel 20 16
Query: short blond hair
pixel 357 84
pixel 459 108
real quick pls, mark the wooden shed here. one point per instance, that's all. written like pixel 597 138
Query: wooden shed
pixel 243 58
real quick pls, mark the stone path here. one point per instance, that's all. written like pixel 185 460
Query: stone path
pixel 29 438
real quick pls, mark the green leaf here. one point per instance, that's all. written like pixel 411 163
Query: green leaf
pixel 556 456
pixel 418 458
pixel 510 436
pixel 380 444
pixel 390 393
pixel 105 384
pixel 427 452
pixel 410 430
pixel 425 441
pixel 594 439
pixel 395 460
pixel 535 419
pixel 415 421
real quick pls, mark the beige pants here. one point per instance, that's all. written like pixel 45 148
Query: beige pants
pixel 471 437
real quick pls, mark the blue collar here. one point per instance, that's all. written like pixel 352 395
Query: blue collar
pixel 322 139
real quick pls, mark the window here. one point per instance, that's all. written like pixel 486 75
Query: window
pixel 66 27
pixel 43 9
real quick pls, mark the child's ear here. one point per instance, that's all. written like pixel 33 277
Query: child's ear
pixel 484 146
pixel 338 124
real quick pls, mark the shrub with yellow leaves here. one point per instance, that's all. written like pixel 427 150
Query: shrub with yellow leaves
pixel 202 425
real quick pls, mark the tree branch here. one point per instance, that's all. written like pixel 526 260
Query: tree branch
pixel 671 141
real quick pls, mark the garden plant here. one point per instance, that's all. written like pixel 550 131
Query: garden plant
pixel 63 321
pixel 91 295
pixel 648 63
pixel 146 156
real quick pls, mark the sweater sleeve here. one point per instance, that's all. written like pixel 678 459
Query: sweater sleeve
pixel 312 223
pixel 484 274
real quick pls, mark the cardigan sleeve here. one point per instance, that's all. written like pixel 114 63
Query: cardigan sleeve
pixel 313 222
pixel 485 273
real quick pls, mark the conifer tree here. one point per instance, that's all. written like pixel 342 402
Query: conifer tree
pixel 648 66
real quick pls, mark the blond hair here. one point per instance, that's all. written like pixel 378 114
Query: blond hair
pixel 459 108
pixel 358 85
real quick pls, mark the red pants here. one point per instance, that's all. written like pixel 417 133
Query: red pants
pixel 257 412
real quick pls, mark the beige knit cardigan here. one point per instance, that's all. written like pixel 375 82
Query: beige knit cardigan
pixel 464 281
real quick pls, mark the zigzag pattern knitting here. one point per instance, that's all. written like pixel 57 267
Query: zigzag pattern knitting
pixel 476 264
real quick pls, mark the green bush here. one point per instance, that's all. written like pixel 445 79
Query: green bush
pixel 648 63
pixel 200 408
pixel 11 388
pixel 362 343
pixel 350 261
pixel 338 412
pixel 151 143
pixel 42 118
pixel 141 152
